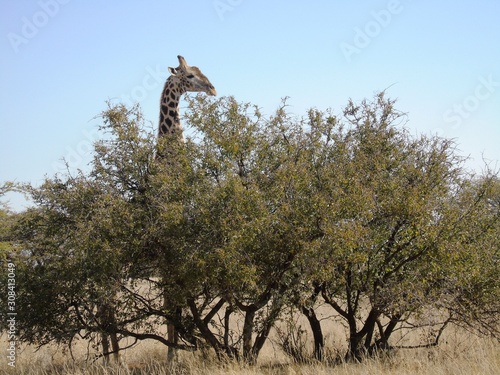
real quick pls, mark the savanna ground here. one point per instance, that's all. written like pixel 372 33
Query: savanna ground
pixel 458 353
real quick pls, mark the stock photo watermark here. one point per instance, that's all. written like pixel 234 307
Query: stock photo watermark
pixel 223 6
pixel 75 156
pixel 485 89
pixel 11 348
pixel 363 36
pixel 153 79
pixel 31 26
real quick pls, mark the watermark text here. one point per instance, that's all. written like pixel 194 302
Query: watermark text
pixel 462 110
pixel 11 315
pixel 363 36
pixel 30 26
pixel 154 78
pixel 224 6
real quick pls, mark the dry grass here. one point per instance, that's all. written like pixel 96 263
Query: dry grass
pixel 459 354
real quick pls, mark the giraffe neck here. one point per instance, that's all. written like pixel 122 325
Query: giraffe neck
pixel 170 122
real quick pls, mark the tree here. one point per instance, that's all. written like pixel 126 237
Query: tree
pixel 256 220
pixel 138 242
pixel 390 207
pixel 469 280
pixel 6 221
pixel 78 247
pixel 255 217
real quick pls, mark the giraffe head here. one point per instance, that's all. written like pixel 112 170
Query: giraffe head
pixel 192 79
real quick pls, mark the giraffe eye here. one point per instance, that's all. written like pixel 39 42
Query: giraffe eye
pixel 190 76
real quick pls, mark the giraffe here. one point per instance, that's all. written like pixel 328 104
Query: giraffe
pixel 183 79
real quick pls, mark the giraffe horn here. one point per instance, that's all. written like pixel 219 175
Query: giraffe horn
pixel 182 62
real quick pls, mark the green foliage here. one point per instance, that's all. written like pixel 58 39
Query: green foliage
pixel 252 216
pixel 392 204
pixel 7 219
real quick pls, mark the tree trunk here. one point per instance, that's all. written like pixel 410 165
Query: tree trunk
pixel 108 322
pixel 261 339
pixel 356 350
pixel 204 330
pixel 248 328
pixel 172 338
pixel 115 346
pixel 230 350
pixel 172 335
pixel 315 324
pixel 354 353
pixel 251 351
pixel 385 334
pixel 369 328
pixel 105 347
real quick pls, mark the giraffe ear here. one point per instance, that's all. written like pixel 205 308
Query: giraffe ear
pixel 172 71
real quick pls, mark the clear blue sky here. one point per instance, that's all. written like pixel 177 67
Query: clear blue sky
pixel 60 60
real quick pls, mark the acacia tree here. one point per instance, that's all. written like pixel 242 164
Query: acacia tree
pixel 253 215
pixel 256 223
pixel 86 249
pixel 138 242
pixel 390 207
pixel 469 282
pixel 73 255
pixel 6 220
